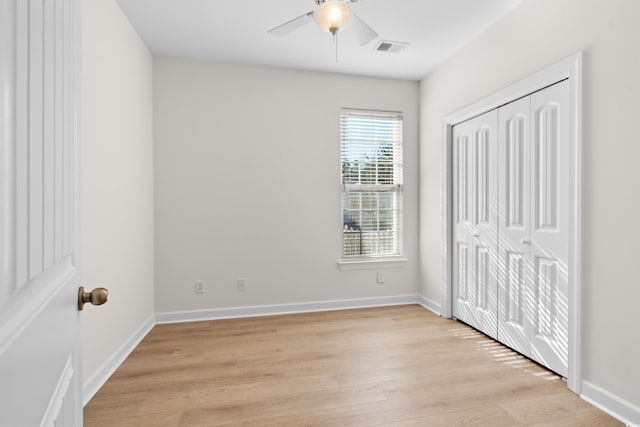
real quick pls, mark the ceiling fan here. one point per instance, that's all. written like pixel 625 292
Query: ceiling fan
pixel 332 16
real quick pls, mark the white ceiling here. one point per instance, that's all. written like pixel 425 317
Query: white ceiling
pixel 235 31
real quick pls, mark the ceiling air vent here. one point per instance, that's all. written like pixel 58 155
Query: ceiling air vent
pixel 389 46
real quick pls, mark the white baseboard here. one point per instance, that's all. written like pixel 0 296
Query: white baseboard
pixel 613 405
pixel 275 309
pixel 429 304
pixel 93 384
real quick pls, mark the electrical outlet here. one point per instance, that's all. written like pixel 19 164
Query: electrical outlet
pixel 380 278
pixel 199 287
pixel 242 284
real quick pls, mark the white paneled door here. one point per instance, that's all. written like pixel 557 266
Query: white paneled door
pixel 514 289
pixel 534 226
pixel 475 178
pixel 511 224
pixel 39 321
pixel 549 301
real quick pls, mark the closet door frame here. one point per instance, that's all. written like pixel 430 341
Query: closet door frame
pixel 569 69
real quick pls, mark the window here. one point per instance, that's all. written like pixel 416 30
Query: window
pixel 371 163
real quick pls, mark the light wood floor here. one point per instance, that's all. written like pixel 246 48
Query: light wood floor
pixel 391 366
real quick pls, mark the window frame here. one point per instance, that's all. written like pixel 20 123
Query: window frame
pixel 397 186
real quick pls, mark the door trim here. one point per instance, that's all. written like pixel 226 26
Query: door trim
pixel 571 69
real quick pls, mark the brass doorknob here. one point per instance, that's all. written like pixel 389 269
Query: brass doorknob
pixel 98 296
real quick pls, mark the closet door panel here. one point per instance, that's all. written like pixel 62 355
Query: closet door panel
pixel 550 226
pixel 485 221
pixel 475 182
pixel 515 272
pixel 463 230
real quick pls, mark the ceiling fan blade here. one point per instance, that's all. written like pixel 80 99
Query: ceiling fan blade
pixel 289 26
pixel 364 33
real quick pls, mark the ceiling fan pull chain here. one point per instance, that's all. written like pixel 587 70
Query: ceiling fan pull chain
pixel 335 41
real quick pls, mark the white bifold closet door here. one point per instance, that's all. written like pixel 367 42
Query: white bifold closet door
pixel 533 250
pixel 511 231
pixel 476 222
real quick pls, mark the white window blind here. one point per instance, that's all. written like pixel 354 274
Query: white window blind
pixel 371 164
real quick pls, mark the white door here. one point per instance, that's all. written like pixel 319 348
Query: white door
pixel 550 227
pixel 534 236
pixel 475 181
pixel 40 381
pixel 514 226
pixel 462 307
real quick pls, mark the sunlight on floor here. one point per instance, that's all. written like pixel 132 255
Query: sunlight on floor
pixel 503 354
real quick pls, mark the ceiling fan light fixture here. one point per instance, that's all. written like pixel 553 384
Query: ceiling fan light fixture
pixel 333 15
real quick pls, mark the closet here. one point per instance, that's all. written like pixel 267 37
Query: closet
pixel 511 226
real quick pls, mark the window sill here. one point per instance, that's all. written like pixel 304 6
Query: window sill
pixel 361 263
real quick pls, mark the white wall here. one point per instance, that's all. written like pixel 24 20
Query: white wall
pixel 247 184
pixel 536 34
pixel 116 180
